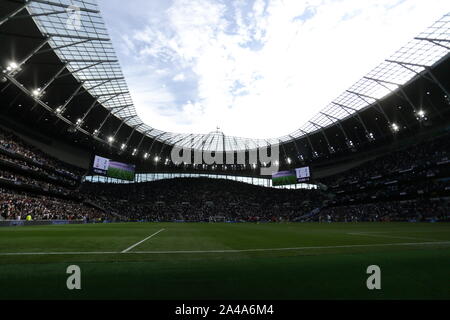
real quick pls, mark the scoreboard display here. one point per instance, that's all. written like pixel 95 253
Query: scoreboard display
pixel 285 178
pixel 303 174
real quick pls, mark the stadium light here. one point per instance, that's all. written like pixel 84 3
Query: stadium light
pixel 289 161
pixel 350 144
pixel 96 132
pixel 12 66
pixel 58 110
pixel 36 93
pixel 111 139
pixel 156 159
pixel 146 156
pixel 135 151
pixel 395 127
pixel 79 121
pixel 421 115
pixel 123 146
pixel 370 136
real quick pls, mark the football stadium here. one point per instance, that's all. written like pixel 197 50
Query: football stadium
pixel 98 203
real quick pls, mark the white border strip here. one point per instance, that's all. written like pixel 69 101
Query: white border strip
pixel 225 251
pixel 136 244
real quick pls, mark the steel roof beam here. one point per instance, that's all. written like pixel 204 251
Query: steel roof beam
pixel 338 121
pixel 79 70
pixel 90 61
pixel 59 35
pixel 132 132
pixel 116 94
pixel 322 130
pixel 377 102
pixel 14 13
pixel 63 46
pixel 427 70
pixel 33 52
pixel 435 41
pixel 121 125
pixel 39 14
pixel 102 79
pixel 383 81
pixel 154 140
pixel 106 119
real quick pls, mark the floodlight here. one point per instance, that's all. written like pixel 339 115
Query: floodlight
pixel 395 127
pixel 421 114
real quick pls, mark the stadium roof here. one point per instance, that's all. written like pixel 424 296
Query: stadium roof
pixel 85 48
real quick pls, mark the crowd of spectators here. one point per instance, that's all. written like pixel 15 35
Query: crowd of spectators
pixel 23 180
pixel 37 185
pixel 20 205
pixel 398 211
pixel 15 145
pixel 199 199
pixel 421 160
pixel 394 187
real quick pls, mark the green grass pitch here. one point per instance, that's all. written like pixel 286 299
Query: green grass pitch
pixel 120 174
pixel 284 181
pixel 226 261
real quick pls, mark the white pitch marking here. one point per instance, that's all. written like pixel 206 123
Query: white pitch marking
pixel 55 253
pixel 228 251
pixel 136 244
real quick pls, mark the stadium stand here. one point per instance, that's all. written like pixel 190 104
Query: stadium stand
pixel 198 199
pixel 411 184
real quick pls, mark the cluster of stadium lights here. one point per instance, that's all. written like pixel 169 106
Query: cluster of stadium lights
pixel 13 66
pixel 11 69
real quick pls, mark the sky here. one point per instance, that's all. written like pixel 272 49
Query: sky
pixel 253 68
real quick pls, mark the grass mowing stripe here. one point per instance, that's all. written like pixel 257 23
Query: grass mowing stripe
pixel 227 251
pixel 142 241
pixel 373 234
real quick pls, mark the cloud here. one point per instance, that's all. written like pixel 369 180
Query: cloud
pixel 261 68
pixel 179 77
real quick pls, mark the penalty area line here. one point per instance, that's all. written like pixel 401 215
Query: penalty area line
pixel 138 243
pixel 226 251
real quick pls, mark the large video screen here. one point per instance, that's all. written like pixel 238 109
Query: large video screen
pixel 118 170
pixel 285 178
pixel 303 174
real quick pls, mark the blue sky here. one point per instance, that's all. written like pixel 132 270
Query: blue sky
pixel 254 68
